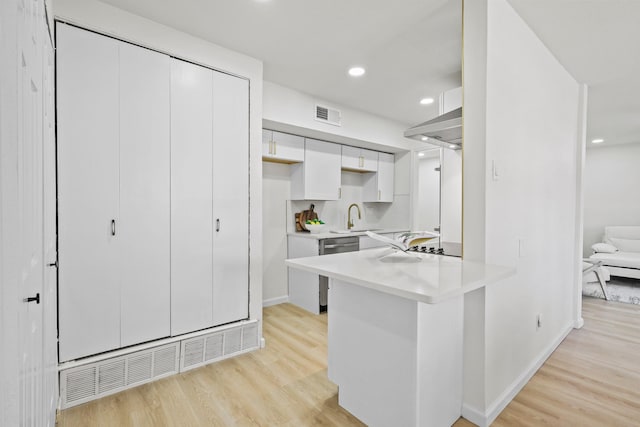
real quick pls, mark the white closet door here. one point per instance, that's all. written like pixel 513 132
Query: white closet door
pixel 230 198
pixel 144 227
pixel 89 294
pixel 191 197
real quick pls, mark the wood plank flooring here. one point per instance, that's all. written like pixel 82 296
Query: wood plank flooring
pixel 592 379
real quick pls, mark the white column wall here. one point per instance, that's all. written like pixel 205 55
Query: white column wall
pixel 531 139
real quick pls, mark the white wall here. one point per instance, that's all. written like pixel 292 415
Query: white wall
pixel 524 219
pixel 101 17
pixel 292 111
pixel 611 179
pixel 28 355
pixel 278 217
pixel 451 196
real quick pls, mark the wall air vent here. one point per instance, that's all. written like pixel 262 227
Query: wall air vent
pixel 328 115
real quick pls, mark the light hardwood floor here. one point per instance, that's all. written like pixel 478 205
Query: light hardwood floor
pixel 592 379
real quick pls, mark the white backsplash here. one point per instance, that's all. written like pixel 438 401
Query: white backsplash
pixel 394 215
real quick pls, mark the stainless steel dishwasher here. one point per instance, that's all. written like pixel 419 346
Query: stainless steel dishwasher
pixel 335 245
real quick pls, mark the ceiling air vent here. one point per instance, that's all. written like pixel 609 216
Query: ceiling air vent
pixel 328 115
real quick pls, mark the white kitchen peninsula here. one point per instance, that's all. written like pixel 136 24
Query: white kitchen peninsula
pixel 396 332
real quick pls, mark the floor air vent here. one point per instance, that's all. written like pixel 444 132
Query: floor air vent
pixel 206 349
pixel 89 382
pixel 94 380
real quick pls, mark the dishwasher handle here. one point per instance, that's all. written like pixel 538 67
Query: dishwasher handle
pixel 341 245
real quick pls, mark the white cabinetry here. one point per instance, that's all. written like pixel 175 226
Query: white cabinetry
pixel 191 194
pixel 304 288
pixel 359 159
pixel 282 147
pixel 378 187
pixel 318 177
pixel 113 193
pixel 230 198
pixel 209 221
pixel 153 191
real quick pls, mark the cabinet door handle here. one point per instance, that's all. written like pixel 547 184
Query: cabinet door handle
pixel 275 147
pixel 339 192
pixel 270 147
pixel 53 264
pixel 217 225
pixel 113 227
pixel 31 299
pixel 379 194
pixel 361 163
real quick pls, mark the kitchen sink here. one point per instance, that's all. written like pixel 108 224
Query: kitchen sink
pixel 355 230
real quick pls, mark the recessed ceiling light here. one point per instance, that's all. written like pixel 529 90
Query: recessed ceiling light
pixel 426 101
pixel 424 138
pixel 356 71
pixel 597 141
pixel 421 154
pixel 453 146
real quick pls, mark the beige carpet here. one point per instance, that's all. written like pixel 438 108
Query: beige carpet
pixel 620 289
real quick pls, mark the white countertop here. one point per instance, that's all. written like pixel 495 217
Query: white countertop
pixel 329 235
pixel 420 277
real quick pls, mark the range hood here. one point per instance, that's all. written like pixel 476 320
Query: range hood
pixel 444 130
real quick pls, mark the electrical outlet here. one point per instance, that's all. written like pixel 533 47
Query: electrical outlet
pixel 538 321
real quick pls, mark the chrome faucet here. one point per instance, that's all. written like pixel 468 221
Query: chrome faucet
pixel 349 220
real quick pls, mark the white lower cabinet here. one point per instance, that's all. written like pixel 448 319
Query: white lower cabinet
pixel 153 195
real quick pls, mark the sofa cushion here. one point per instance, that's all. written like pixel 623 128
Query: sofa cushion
pixel 626 245
pixel 621 232
pixel 604 247
pixel 619 259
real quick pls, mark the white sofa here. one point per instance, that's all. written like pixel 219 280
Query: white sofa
pixel 620 251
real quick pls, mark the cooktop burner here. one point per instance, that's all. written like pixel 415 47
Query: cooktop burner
pixel 445 248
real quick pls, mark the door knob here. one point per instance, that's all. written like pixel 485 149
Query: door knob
pixel 31 299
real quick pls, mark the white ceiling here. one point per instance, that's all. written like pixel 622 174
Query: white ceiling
pixel 412 49
pixel 598 42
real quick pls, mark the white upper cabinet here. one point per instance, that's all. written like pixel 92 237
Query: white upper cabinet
pixel 318 177
pixel 378 187
pixel 282 147
pixel 359 159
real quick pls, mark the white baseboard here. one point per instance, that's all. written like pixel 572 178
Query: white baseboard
pixel 474 415
pixel 578 323
pixel 485 419
pixel 275 301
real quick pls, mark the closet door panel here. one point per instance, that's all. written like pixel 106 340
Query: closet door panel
pixel 144 226
pixel 87 126
pixel 230 198
pixel 191 197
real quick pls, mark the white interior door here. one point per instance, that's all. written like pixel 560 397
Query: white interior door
pixel 89 294
pixel 230 198
pixel 144 226
pixel 191 197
